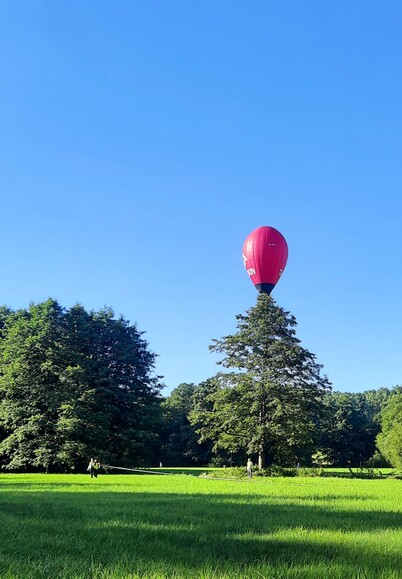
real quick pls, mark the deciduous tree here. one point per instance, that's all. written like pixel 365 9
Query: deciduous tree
pixel 389 441
pixel 179 438
pixel 75 383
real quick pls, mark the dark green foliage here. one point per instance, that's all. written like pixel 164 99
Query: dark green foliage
pixel 350 426
pixel 270 404
pixel 75 384
pixel 178 437
pixel 216 410
pixel 275 471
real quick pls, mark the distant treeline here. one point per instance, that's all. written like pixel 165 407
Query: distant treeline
pixel 349 432
pixel 76 384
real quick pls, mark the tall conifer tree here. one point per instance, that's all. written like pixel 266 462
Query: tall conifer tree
pixel 271 400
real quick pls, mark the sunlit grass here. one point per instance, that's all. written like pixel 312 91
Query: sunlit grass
pixel 150 526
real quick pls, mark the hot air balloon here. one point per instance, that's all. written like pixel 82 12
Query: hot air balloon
pixel 265 253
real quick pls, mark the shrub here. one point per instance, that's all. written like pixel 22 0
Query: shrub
pixel 312 472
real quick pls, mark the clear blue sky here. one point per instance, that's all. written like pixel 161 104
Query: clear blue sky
pixel 141 142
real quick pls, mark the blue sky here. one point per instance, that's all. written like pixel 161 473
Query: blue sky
pixel 141 142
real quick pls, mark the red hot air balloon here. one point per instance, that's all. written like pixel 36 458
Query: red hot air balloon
pixel 265 253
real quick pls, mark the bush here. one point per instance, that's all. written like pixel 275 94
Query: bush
pixel 241 472
pixel 313 472
pixel 231 472
pixel 276 471
pixel 378 461
pixel 369 473
pixel 280 471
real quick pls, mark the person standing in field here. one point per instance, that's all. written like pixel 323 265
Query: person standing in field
pixel 96 467
pixel 249 467
pixel 91 468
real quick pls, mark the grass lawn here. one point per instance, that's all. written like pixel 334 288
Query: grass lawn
pixel 149 527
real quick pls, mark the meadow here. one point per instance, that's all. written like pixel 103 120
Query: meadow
pixel 182 526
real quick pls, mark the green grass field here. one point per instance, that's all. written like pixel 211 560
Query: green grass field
pixel 181 526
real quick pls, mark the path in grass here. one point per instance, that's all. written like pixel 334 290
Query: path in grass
pixel 180 526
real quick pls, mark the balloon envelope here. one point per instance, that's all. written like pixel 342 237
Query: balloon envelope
pixel 265 253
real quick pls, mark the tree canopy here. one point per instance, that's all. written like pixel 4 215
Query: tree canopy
pixel 179 439
pixel 271 401
pixel 72 384
pixel 350 425
pixel 389 441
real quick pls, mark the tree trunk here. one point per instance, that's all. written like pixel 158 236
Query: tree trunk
pixel 261 460
pixel 261 453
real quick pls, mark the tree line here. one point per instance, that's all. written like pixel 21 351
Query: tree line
pixel 76 384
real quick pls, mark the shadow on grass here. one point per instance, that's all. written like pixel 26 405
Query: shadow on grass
pixel 184 532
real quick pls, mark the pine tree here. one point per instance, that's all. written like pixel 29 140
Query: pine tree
pixel 272 399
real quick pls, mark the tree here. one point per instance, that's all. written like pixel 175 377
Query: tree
pixel 350 427
pixel 74 384
pixel 215 416
pixel 270 404
pixel 29 365
pixel 389 441
pixel 179 438
pixel 375 401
